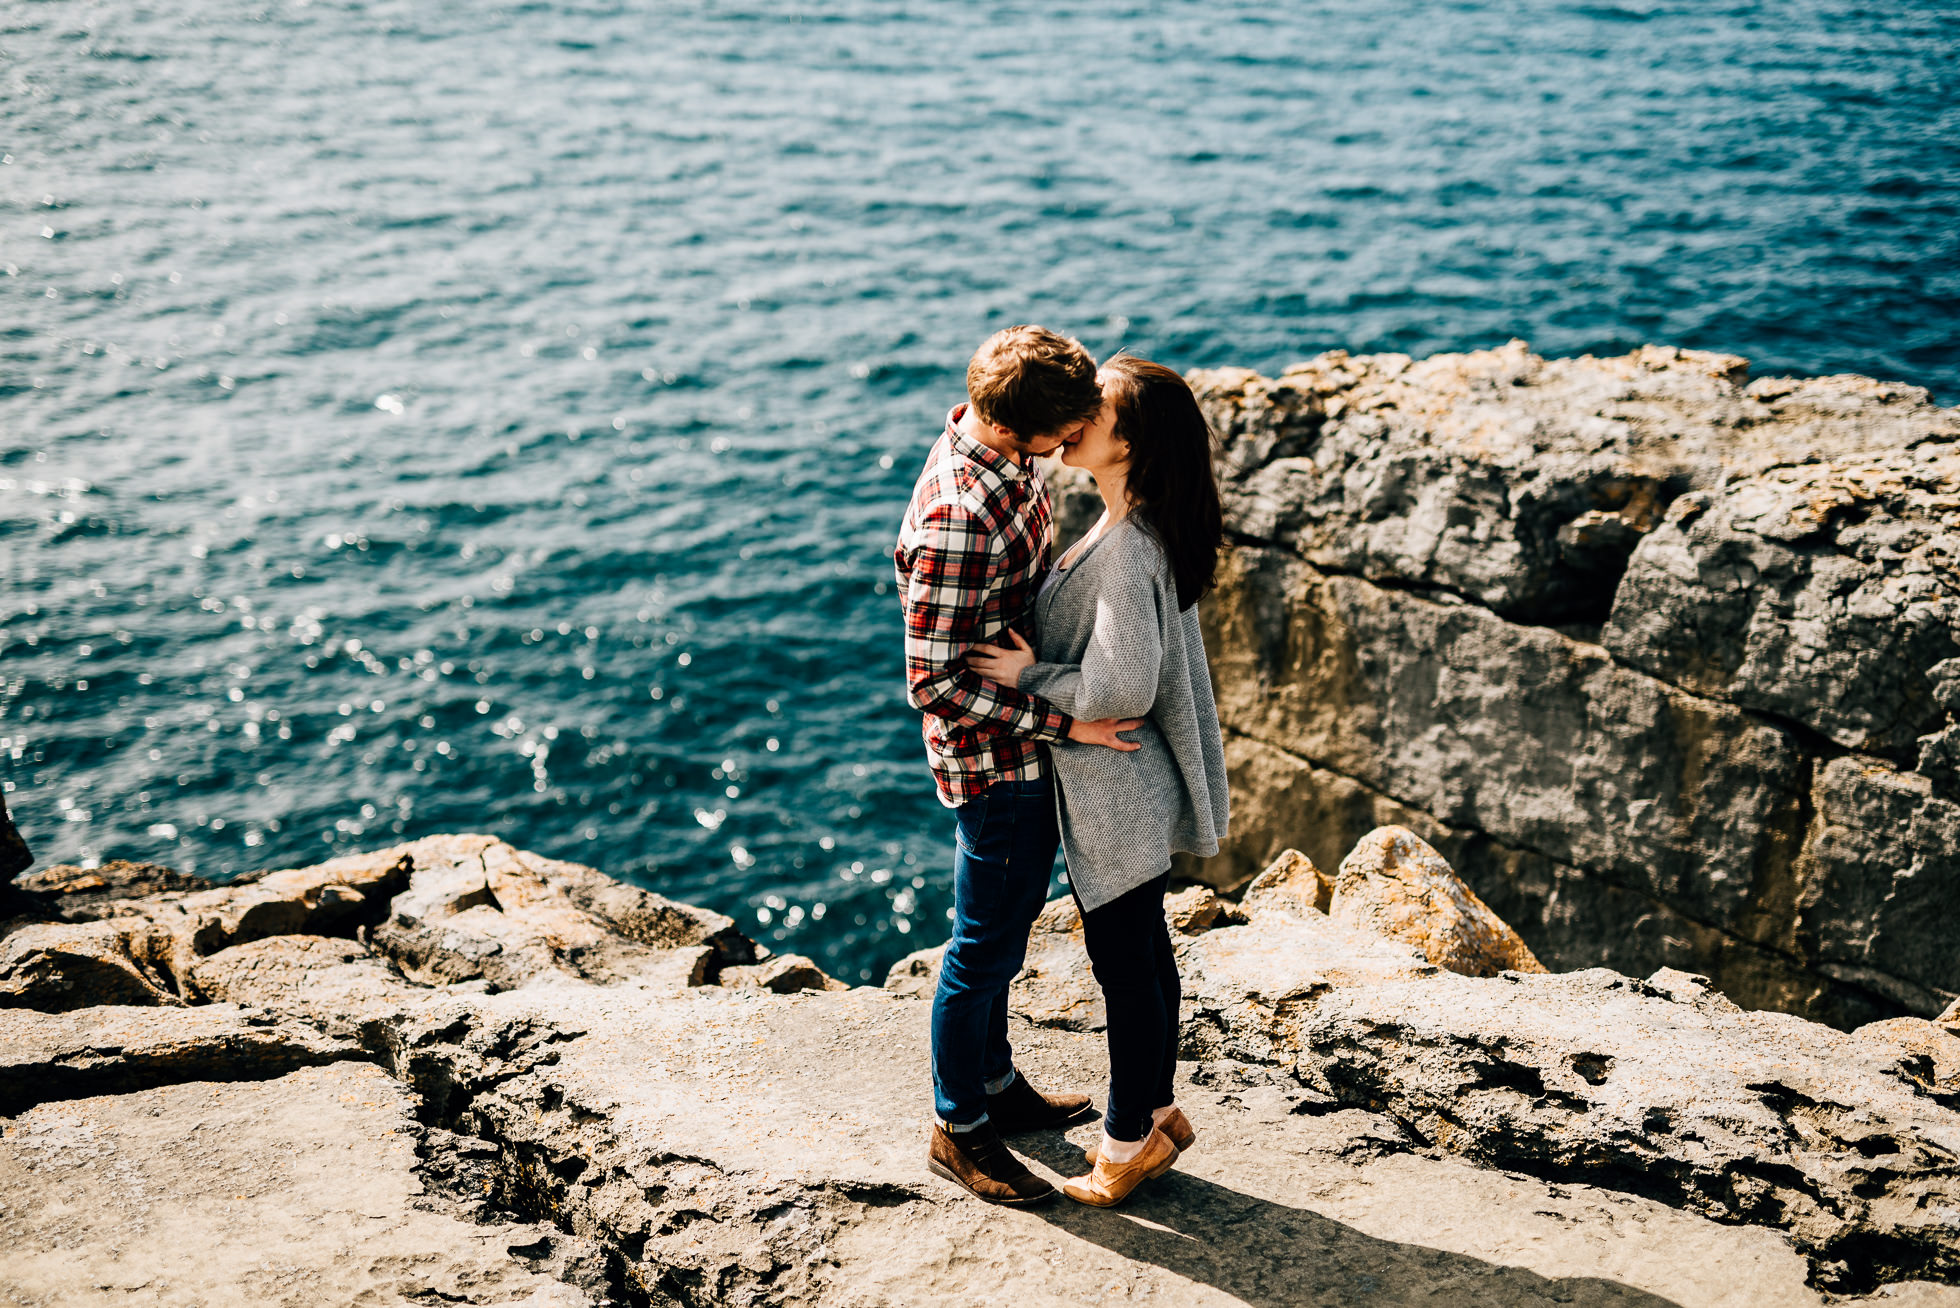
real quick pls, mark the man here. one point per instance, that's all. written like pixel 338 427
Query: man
pixel 971 554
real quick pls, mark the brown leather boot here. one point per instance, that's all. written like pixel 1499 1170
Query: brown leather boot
pixel 1109 1184
pixel 979 1162
pixel 1021 1108
pixel 1175 1125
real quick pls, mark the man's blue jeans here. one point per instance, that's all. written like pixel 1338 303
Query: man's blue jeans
pixel 1006 852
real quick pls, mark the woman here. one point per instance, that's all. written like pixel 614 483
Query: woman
pixel 1117 636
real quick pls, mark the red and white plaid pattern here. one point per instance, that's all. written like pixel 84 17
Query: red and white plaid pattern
pixel 971 554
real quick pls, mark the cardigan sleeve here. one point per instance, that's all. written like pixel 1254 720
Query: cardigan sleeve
pixel 1120 666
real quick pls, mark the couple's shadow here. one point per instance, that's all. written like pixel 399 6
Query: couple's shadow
pixel 1271 1255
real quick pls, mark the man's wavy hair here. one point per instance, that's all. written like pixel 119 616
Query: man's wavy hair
pixel 1033 382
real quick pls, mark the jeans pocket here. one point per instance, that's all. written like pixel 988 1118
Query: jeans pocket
pixel 971 821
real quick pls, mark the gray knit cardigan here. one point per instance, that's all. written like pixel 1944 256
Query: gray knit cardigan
pixel 1110 642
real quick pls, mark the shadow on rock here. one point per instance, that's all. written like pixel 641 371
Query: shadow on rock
pixel 1273 1255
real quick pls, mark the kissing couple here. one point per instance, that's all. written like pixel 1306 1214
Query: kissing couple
pixel 1066 706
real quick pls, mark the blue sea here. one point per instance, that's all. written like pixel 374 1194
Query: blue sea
pixel 495 416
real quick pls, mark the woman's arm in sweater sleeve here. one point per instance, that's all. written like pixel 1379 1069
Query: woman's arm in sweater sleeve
pixel 1117 677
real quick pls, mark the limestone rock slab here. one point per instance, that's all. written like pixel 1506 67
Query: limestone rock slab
pixel 1937 1045
pixel 1573 918
pixel 1196 909
pixel 1823 593
pixel 1664 1087
pixel 330 898
pixel 79 894
pixel 1755 1117
pixel 1537 739
pixel 916 975
pixel 59 966
pixel 475 908
pixel 748 1148
pixel 700 1144
pixel 1517 481
pixel 338 986
pixel 1678 595
pixel 114 1050
pixel 338 897
pixel 1055 987
pixel 1884 879
pixel 295 1192
pixel 781 974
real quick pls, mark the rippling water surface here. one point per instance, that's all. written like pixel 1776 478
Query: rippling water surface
pixel 494 417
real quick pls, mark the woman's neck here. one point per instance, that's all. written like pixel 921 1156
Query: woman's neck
pixel 1114 483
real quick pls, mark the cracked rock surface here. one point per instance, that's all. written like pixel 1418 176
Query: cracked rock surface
pixel 1663 660
pixel 1848 1143
pixel 582 1120
pixel 299 1192
pixel 94 1051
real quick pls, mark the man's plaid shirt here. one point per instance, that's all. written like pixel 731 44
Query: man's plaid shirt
pixel 971 555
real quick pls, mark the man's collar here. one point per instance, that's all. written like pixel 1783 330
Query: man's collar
pixel 980 452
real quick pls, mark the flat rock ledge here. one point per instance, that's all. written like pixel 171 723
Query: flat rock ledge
pixel 454 1071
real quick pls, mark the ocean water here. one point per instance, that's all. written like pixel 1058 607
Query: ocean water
pixel 495 417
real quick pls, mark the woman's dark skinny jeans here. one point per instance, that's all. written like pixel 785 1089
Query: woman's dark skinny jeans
pixel 1130 954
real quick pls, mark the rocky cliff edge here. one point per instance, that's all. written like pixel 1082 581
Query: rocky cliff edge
pixel 456 1071
pixel 1664 660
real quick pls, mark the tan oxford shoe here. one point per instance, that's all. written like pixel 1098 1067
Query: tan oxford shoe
pixel 1109 1184
pixel 1177 1126
pixel 980 1163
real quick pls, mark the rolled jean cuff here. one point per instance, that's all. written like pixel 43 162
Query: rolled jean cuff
pixel 999 1084
pixel 961 1128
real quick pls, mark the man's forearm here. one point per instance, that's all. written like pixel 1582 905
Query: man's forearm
pixel 964 698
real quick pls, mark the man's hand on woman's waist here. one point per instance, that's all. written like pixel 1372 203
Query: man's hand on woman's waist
pixel 1105 731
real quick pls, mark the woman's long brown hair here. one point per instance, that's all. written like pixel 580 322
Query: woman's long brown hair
pixel 1171 484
